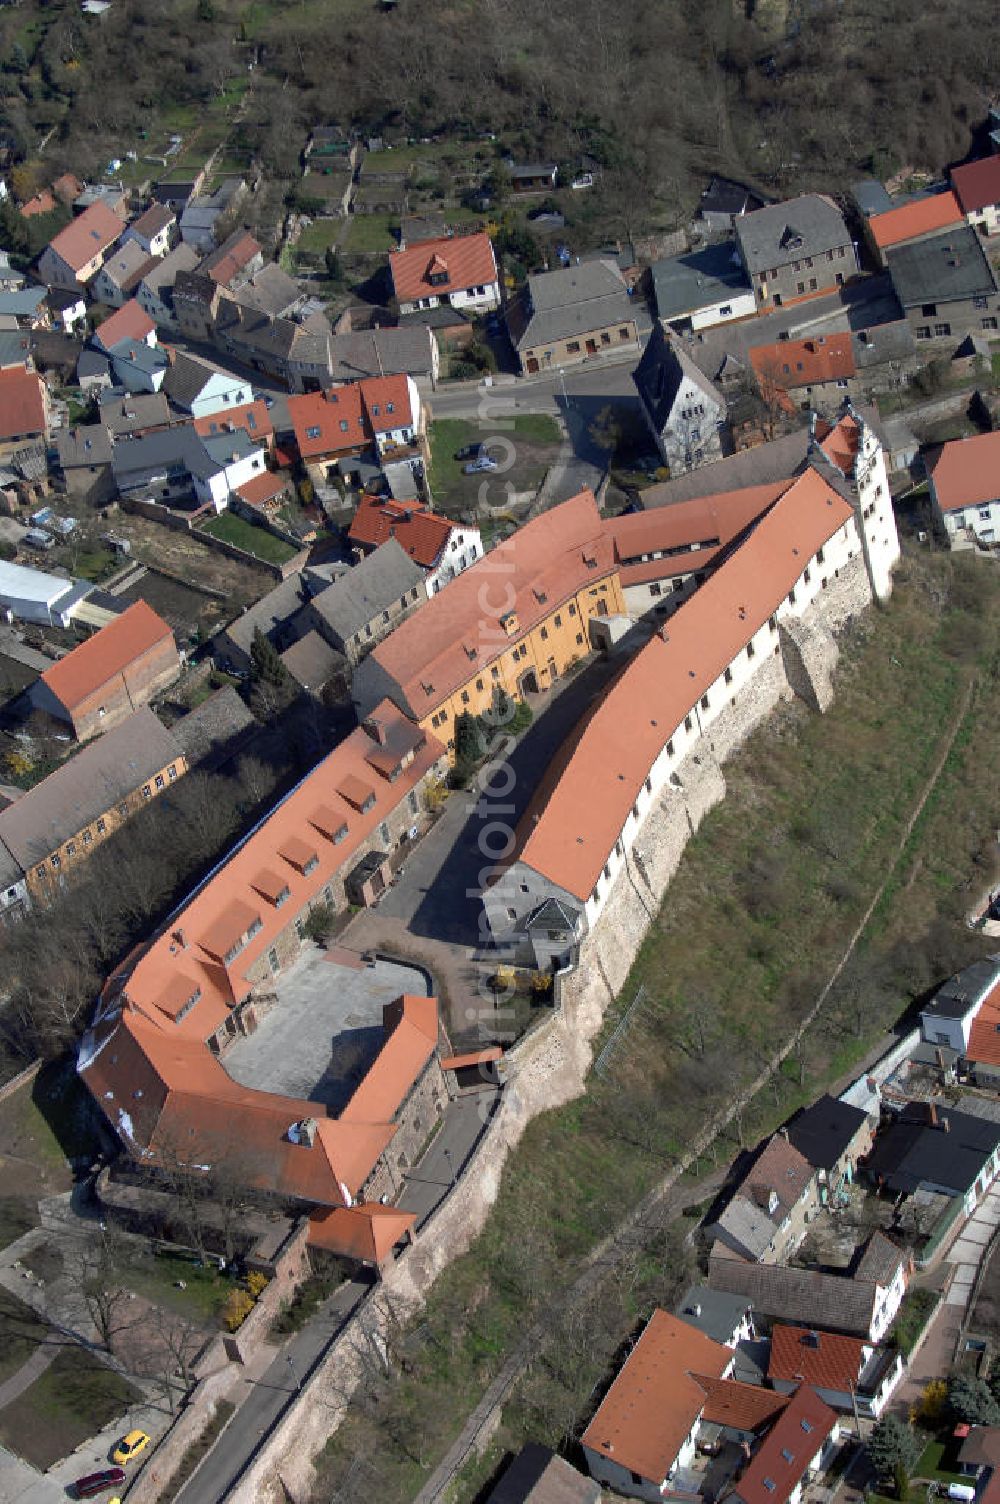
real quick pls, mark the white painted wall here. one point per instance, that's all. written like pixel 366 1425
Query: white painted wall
pixel 222 390
pixel 464 547
pixel 219 487
pixel 740 305
pixel 478 299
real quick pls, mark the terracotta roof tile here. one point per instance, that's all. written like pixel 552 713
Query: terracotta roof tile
pixel 650 1408
pixel 412 1025
pixel 22 403
pixel 786 1452
pixel 109 652
pixel 330 422
pixel 984 1036
pixel 967 472
pixel 88 235
pixel 423 534
pixel 368 1232
pixel 464 261
pixel 542 564
pixel 804 362
pixel 781 1169
pixel 581 805
pixel 709 522
pixel 252 417
pixel 742 1407
pixel 827 1360
pixel 921 217
pixel 977 184
pixel 131 321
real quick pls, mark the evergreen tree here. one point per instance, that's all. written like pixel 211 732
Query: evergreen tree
pixel 893 1449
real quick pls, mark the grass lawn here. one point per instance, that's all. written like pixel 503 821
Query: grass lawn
pixel 44 1123
pixel 76 1396
pixel 316 237
pixel 534 437
pixel 157 1276
pixel 21 1332
pixel 368 233
pixel 929 1465
pixel 753 923
pixel 253 540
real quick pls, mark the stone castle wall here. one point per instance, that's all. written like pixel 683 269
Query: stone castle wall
pixel 549 1066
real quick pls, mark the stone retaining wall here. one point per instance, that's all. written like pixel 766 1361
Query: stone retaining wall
pixel 548 1067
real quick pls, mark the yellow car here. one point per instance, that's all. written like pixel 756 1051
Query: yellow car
pixel 130 1446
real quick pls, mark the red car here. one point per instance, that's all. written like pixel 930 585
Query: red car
pixel 98 1483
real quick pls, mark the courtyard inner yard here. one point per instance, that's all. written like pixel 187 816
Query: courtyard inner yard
pixel 324 1031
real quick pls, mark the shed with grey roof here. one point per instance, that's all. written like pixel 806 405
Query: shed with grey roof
pixel 705 286
pixel 216 729
pixel 275 615
pixel 721 1315
pixel 870 197
pixel 369 600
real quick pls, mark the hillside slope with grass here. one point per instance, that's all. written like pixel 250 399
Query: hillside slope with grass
pixel 751 928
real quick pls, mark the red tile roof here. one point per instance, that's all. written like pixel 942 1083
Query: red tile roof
pixel 464 261
pixel 984 1036
pixel 109 652
pixel 263 488
pixel 42 203
pixel 742 1407
pixel 328 423
pixel 823 1359
pixel 419 531
pixel 786 1452
pixel 458 632
pixel 967 472
pixel 921 217
pixel 314 813
pixel 781 1169
pixel 646 1415
pixel 236 253
pixel 688 534
pixel 387 402
pixel 804 362
pixel 412 1028
pixel 252 417
pixel 87 236
pixel 130 322
pixel 977 184
pixel 368 1232
pixel 22 403
pixel 582 803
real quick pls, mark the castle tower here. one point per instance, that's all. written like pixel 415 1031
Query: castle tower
pixel 854 449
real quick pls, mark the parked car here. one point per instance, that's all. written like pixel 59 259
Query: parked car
pixel 97 1483
pixel 469 452
pixel 484 462
pixel 130 1446
pixel 585 180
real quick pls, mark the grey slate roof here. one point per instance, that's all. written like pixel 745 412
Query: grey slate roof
pixel 214 726
pixel 82 447
pixel 442 317
pixel 878 1261
pixel 538 1476
pixel 92 365
pixel 725 196
pixel 268 614
pixel 683 284
pixel 717 1313
pixel 15 347
pixel 831 1301
pixel 85 786
pixel 123 416
pixel 940 269
pixel 955 997
pixel 23 302
pixel 163 273
pixel 779 460
pixel 369 588
pixel 881 343
pixel 949 1154
pixel 808 225
pixel 870 197
pixel 748 1226
pixel 127 264
pixel 823 1131
pixel 312 662
pixel 660 374
pixel 271 291
pixel 175 449
pixel 131 360
pixel 189 375
pixel 386 352
pixel 569 302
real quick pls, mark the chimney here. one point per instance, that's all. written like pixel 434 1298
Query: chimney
pixel 181 938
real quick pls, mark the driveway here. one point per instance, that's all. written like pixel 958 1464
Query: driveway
pixel 970 1245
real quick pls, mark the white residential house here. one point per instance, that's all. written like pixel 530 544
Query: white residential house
pixel 119 274
pixel 75 256
pixel 155 291
pixel 154 230
pixel 458 271
pixel 948 1018
pixel 686 414
pixel 201 389
pixel 965 490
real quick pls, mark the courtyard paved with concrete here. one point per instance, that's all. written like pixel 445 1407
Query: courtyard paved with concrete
pixel 324 1031
pixel 970 1245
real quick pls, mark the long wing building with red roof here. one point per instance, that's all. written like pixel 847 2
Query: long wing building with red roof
pixel 154 1055
pixel 800 560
